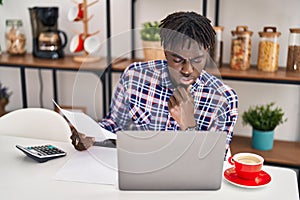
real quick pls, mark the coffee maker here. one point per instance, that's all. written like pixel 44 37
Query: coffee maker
pixel 48 41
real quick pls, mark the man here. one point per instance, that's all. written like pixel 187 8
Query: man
pixel 176 94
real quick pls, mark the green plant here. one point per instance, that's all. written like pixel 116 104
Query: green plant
pixel 4 93
pixel 0 2
pixel 264 117
pixel 150 31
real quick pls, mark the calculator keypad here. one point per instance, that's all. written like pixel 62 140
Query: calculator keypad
pixel 45 150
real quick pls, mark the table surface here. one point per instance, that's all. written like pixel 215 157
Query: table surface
pixel 23 178
pixel 283 152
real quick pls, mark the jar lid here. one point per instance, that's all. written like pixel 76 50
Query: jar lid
pixel 242 30
pixel 269 32
pixel 295 30
pixel 16 22
pixel 219 28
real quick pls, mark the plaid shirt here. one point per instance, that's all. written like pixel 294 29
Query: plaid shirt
pixel 141 98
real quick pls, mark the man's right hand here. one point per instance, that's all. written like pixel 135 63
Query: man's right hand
pixel 80 141
pixel 181 108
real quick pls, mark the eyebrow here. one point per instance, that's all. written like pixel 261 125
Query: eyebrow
pixel 178 56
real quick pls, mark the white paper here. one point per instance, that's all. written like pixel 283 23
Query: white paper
pixel 96 165
pixel 85 124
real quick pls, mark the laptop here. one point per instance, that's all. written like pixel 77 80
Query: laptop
pixel 173 160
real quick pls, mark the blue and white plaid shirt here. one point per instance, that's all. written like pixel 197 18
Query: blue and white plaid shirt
pixel 140 101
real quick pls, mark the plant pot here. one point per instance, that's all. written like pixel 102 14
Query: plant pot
pixel 262 140
pixel 153 50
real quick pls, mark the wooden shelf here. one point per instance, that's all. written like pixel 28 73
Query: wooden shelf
pixel 66 63
pixel 253 74
pixel 225 72
pixel 284 153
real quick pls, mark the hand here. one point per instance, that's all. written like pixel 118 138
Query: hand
pixel 181 108
pixel 80 141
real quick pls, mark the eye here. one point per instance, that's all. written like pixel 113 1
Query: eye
pixel 197 60
pixel 177 60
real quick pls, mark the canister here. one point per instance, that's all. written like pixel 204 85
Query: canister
pixel 293 58
pixel 216 52
pixel 268 49
pixel 15 37
pixel 241 45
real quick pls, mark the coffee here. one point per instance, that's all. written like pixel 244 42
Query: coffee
pixel 248 160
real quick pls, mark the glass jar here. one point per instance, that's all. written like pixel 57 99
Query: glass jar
pixel 216 52
pixel 293 59
pixel 241 45
pixel 15 37
pixel 268 49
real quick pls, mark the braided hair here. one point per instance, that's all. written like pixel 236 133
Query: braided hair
pixel 180 26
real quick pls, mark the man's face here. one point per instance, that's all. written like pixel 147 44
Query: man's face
pixel 185 63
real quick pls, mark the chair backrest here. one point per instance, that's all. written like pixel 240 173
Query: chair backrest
pixel 39 123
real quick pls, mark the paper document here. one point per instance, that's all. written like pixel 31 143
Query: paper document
pixel 85 124
pixel 96 165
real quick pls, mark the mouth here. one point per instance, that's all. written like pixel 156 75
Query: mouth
pixel 187 81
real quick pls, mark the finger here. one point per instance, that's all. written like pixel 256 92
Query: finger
pixel 172 102
pixel 170 107
pixel 81 135
pixel 183 93
pixel 87 143
pixel 80 147
pixel 72 137
pixel 177 96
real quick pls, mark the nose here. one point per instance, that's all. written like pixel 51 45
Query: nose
pixel 187 69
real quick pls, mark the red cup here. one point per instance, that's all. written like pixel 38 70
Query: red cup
pixel 247 165
pixel 76 13
pixel 77 43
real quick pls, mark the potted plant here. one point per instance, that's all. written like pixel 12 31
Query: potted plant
pixel 263 119
pixel 4 98
pixel 151 41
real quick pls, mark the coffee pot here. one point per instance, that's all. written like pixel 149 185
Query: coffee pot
pixel 48 41
pixel 51 41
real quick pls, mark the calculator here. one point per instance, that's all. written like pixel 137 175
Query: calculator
pixel 42 153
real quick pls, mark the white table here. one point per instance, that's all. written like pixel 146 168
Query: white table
pixel 24 178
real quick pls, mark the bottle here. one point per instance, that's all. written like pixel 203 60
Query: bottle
pixel 216 52
pixel 241 45
pixel 268 49
pixel 293 59
pixel 15 37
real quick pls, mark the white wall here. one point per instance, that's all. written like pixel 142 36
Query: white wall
pixel 83 89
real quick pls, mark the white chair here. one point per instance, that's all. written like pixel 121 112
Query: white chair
pixel 38 123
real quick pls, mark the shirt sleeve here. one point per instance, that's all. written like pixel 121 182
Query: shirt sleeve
pixel 118 115
pixel 227 117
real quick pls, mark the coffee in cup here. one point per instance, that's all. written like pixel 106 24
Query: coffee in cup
pixel 247 165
